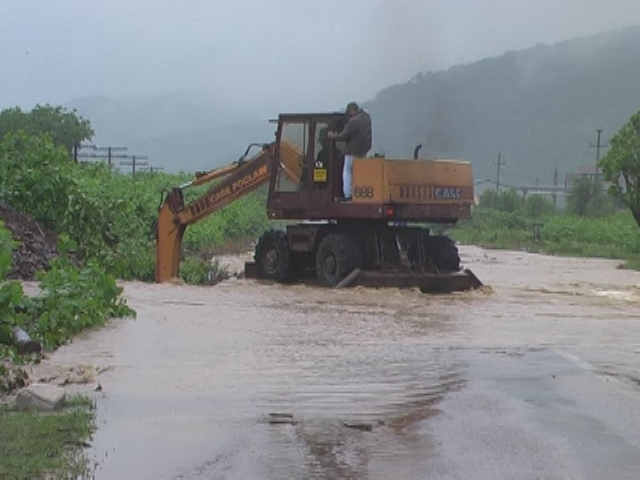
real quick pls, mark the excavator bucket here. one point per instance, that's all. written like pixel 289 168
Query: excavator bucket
pixel 426 282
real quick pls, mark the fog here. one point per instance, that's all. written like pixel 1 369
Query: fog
pixel 267 56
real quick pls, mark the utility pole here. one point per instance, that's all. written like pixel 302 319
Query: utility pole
pixel 134 162
pixel 554 196
pixel 499 163
pixel 109 151
pixel 79 146
pixel 597 146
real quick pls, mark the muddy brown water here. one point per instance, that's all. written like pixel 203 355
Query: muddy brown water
pixel 534 376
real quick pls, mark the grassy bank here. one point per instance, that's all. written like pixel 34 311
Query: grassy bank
pixel 51 445
pixel 612 236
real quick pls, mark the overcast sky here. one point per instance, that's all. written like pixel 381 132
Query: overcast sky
pixel 284 55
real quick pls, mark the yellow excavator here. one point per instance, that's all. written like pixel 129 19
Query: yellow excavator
pixel 377 239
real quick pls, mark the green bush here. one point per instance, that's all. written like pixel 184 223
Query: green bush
pixel 587 198
pixel 505 201
pixel 11 294
pixel 537 206
pixel 71 299
pixel 110 217
pixel 613 236
pixel 36 177
pixel 198 271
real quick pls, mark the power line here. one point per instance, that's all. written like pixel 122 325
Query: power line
pixel 151 169
pixel 135 162
pixel 109 151
pixel 99 156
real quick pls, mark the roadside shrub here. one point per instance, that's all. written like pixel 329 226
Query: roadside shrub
pixel 196 270
pixel 490 199
pixel 587 198
pixel 11 294
pixel 536 206
pixel 73 299
pixel 506 201
pixel 510 201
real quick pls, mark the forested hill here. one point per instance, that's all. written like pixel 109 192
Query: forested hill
pixel 540 107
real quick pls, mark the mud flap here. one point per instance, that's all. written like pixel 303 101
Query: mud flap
pixel 250 270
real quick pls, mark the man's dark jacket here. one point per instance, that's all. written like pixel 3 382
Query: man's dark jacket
pixel 357 134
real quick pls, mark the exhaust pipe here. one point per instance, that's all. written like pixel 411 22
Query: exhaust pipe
pixel 416 151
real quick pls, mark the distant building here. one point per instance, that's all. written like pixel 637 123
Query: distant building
pixel 586 171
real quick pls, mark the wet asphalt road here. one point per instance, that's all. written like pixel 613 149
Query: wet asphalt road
pixel 535 376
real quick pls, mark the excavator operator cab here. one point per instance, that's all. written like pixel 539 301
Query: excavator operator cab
pixel 308 166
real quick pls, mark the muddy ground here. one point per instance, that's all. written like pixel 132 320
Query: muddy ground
pixel 35 244
pixel 535 376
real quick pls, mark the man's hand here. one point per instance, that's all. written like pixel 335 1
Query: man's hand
pixel 332 134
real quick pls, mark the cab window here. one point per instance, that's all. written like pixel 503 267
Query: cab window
pixel 293 166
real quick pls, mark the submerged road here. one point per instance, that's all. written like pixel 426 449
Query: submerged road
pixel 535 376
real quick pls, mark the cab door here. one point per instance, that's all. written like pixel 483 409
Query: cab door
pixel 299 181
pixel 322 175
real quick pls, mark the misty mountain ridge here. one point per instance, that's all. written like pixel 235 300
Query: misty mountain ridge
pixel 539 107
pixel 146 117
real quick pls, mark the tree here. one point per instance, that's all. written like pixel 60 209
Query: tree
pixel 66 129
pixel 537 206
pixel 588 199
pixel 621 165
pixel 506 201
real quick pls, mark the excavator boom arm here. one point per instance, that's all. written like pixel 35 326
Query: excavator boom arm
pixel 175 216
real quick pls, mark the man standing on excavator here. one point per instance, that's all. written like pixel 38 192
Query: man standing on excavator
pixel 357 135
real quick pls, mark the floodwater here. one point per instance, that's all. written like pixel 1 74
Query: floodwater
pixel 534 376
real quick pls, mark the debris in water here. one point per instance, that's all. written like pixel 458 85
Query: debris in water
pixel 364 427
pixel 282 419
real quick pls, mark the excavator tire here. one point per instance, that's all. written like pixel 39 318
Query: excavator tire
pixel 337 256
pixel 443 253
pixel 272 256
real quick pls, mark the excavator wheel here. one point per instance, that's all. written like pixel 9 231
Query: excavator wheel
pixel 338 254
pixel 443 253
pixel 272 256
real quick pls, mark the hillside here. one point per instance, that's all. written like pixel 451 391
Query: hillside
pixel 181 131
pixel 540 107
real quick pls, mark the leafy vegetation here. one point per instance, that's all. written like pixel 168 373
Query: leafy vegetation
pixel 621 165
pixel 71 299
pixel 66 129
pixel 588 199
pixel 108 216
pixel 11 294
pixel 535 226
pixel 36 445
